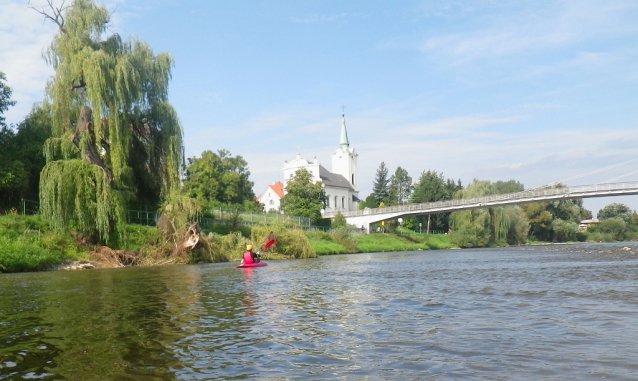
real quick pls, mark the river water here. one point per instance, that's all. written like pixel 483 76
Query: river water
pixel 510 313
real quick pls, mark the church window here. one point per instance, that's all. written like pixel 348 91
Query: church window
pixel 272 202
pixel 343 202
pixel 336 202
pixel 353 179
pixel 328 202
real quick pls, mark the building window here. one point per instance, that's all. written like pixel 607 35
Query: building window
pixel 327 202
pixel 336 202
pixel 343 202
pixel 353 179
pixel 272 202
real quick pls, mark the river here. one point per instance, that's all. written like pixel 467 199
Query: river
pixel 510 313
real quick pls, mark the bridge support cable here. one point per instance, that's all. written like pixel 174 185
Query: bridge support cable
pixel 588 173
pixel 619 177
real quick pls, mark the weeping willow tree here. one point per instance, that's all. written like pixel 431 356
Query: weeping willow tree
pixel 116 138
pixel 478 227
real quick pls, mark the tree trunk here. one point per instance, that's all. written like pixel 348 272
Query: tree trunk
pixel 89 152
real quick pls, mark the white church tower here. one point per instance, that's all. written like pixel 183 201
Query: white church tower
pixel 341 185
pixel 344 159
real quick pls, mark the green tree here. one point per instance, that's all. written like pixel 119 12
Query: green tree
pixel 369 202
pixel 22 151
pixel 303 197
pixel 5 98
pixel 218 178
pixel 432 186
pixel 554 220
pixel 339 221
pixel 617 210
pixel 400 187
pixel 380 184
pixel 12 172
pixel 616 227
pixel 481 226
pixel 115 136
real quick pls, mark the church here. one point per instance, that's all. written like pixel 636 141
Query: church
pixel 340 185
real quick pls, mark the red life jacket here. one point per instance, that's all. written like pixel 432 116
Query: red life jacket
pixel 248 258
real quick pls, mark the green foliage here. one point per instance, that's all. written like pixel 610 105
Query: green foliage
pixel 542 216
pixel 564 230
pixel 221 248
pixel 5 98
pixel 133 138
pixel 344 239
pixel 303 198
pixel 380 188
pixel 324 244
pixel 16 156
pixel 245 231
pixel 616 227
pixel 471 228
pixel 617 210
pixel 77 195
pixel 218 177
pixel 291 243
pixel 339 221
pixel 177 213
pixel 373 243
pixel 400 187
pixel 27 244
pixel 18 256
pixel 26 148
pixel 480 227
pixel 369 202
pixel 431 187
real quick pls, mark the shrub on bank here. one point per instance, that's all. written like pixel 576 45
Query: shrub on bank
pixel 16 256
pixel 27 244
pixel 324 244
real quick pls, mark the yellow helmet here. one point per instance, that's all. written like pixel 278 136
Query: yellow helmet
pixel 249 247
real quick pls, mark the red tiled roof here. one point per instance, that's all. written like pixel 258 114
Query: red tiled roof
pixel 278 187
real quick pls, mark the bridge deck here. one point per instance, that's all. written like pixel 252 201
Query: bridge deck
pixel 538 195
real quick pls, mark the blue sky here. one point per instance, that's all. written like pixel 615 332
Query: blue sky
pixel 535 91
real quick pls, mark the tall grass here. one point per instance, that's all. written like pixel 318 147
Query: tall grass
pixel 289 243
pixel 28 244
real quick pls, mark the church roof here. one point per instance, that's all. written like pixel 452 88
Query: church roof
pixel 343 141
pixel 333 179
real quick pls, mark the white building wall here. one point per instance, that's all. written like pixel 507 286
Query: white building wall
pixel 291 168
pixel 345 164
pixel 343 199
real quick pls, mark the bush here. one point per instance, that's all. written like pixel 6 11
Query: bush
pixel 616 227
pixel 344 239
pixel 19 255
pixel 291 243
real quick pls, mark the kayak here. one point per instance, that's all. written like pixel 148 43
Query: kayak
pixel 258 264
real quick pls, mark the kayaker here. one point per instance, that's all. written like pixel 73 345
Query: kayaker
pixel 250 256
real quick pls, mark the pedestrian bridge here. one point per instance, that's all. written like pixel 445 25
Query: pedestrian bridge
pixel 366 217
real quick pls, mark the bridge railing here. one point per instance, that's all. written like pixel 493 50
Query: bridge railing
pixel 574 192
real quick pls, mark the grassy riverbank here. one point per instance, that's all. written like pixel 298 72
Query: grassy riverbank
pixel 340 243
pixel 27 243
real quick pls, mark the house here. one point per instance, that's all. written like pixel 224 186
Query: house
pixel 271 197
pixel 584 224
pixel 340 184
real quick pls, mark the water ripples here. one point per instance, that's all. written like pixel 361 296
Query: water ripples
pixel 474 314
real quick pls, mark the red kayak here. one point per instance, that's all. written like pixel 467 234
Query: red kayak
pixel 258 264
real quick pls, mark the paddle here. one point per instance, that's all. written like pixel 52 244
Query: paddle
pixel 267 245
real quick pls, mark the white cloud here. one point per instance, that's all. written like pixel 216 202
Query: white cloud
pixel 528 31
pixel 317 19
pixel 24 35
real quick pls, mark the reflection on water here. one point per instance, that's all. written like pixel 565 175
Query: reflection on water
pixel 518 313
